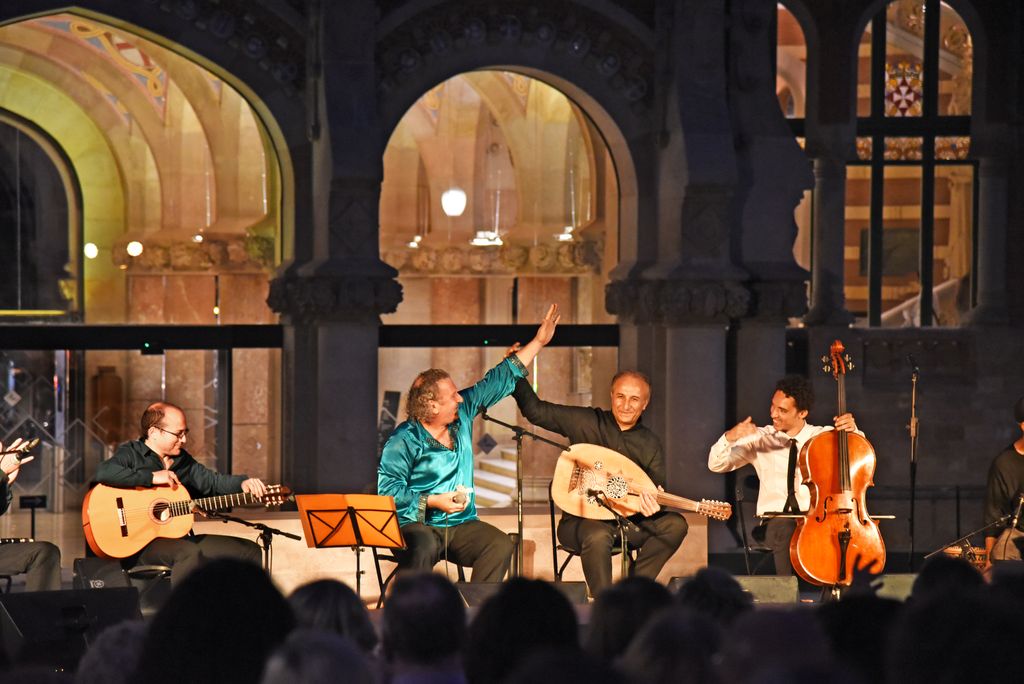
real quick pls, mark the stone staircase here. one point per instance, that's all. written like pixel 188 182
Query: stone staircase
pixel 495 477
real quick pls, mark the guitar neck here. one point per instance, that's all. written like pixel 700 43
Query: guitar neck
pixel 213 503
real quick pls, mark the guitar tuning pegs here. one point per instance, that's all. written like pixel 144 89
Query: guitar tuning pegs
pixel 824 359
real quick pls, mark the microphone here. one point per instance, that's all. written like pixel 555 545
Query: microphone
pixel 1016 513
pixel 913 364
pixel 595 493
pixel 22 448
pixel 461 492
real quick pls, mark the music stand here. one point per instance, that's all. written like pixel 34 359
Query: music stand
pixel 353 520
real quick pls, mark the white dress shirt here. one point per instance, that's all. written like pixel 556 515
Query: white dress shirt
pixel 768 452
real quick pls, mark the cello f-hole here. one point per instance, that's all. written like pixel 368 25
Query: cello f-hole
pixel 824 510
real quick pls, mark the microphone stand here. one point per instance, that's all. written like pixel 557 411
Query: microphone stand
pixel 520 433
pixel 1012 518
pixel 266 533
pixel 957 542
pixel 620 522
pixel 913 427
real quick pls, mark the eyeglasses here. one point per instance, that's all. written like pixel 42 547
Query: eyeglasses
pixel 177 435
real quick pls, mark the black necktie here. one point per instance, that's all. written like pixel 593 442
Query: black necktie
pixel 791 504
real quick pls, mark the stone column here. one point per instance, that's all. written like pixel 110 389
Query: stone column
pixel 773 175
pixel 828 225
pixel 332 303
pixel 682 325
pixel 993 198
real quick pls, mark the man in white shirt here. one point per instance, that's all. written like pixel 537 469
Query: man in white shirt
pixel 768 450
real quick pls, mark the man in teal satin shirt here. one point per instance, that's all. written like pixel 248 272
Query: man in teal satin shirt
pixel 427 466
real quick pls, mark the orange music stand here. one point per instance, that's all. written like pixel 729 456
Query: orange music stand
pixel 353 520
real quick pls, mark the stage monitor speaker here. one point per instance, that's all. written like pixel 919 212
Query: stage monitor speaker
pixel 763 588
pixel 53 628
pixel 770 589
pixel 99 573
pixel 475 593
pixel 897 585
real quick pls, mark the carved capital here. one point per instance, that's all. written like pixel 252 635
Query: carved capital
pixel 555 30
pixel 268 34
pixel 311 299
pixel 777 300
pixel 677 302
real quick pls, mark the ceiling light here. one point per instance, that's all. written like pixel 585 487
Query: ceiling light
pixel 90 250
pixel 134 248
pixel 453 201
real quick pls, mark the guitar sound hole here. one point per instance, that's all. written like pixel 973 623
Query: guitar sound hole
pixel 161 511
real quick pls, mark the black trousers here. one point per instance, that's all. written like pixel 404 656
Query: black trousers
pixel 188 553
pixel 40 561
pixel 778 534
pixel 657 537
pixel 474 544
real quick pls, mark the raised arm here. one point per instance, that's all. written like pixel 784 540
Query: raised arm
pixel 575 422
pixel 544 334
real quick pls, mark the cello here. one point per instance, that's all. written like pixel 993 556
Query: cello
pixel 837 536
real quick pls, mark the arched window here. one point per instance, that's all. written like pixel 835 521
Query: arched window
pixel 910 196
pixel 791 90
pixel 499 197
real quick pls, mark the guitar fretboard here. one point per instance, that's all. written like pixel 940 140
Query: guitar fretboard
pixel 212 503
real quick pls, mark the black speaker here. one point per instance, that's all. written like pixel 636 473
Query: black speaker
pixel 763 588
pixel 897 585
pixel 53 628
pixel 99 573
pixel 576 592
pixel 770 589
pixel 475 593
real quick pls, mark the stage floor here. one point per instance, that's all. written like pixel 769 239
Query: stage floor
pixel 294 563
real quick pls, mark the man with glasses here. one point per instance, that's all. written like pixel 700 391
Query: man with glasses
pixel 158 457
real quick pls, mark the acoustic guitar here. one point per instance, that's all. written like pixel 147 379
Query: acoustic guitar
pixel 119 522
pixel 586 474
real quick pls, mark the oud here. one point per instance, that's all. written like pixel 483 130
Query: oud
pixel 586 473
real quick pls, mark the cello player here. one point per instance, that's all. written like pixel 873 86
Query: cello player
pixel 773 450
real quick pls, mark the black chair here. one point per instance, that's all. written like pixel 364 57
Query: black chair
pixel 154 584
pixel 556 546
pixel 749 482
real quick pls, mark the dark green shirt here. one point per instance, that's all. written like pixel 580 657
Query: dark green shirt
pixel 586 425
pixel 1005 483
pixel 134 463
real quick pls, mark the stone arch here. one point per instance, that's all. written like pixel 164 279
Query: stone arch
pixel 69 183
pixel 607 73
pixel 805 20
pixel 241 43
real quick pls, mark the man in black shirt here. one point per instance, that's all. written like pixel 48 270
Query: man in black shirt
pixel 657 533
pixel 159 457
pixel 1005 485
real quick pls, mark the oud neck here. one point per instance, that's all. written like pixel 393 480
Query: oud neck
pixel 212 503
pixel 673 501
